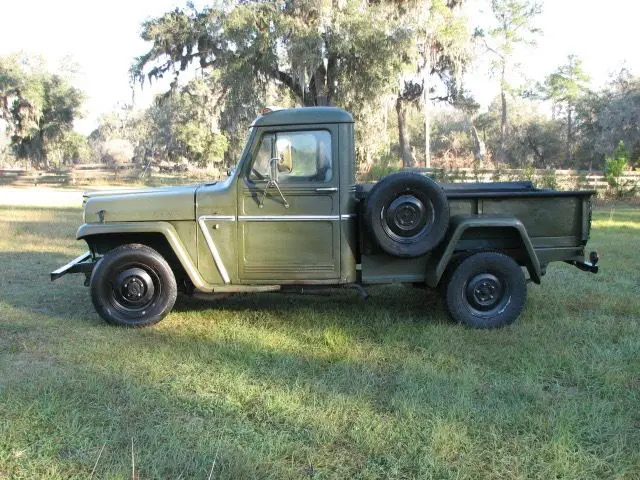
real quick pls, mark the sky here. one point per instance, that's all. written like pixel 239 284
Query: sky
pixel 103 38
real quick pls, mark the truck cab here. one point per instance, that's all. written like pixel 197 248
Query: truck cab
pixel 290 223
pixel 291 216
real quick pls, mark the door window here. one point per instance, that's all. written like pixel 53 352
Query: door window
pixel 302 157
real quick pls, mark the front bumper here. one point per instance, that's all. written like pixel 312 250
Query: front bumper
pixel 82 264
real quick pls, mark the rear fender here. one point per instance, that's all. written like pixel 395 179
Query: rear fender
pixel 459 224
pixel 86 231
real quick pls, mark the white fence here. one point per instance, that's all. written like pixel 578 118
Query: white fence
pixel 95 174
pixel 558 179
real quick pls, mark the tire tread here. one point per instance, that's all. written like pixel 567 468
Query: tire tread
pixel 478 263
pixel 148 254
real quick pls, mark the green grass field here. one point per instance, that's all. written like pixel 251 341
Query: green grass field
pixel 278 386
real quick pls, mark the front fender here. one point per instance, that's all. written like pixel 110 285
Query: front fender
pixel 165 228
pixel 440 258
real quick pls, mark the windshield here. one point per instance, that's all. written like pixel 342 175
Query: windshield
pixel 245 151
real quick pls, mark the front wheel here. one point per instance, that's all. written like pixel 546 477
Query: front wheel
pixel 486 290
pixel 133 286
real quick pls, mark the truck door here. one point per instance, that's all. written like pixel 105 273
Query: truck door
pixel 289 231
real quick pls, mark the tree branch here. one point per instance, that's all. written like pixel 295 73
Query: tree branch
pixel 491 49
pixel 288 80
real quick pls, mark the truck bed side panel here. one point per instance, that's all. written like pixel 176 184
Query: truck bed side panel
pixel 557 223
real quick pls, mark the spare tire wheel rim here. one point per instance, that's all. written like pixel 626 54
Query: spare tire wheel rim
pixel 407 217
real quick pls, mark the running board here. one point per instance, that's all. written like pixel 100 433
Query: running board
pixel 245 288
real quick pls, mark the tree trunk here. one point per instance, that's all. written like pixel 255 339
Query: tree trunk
pixel 479 148
pixel 427 112
pixel 502 154
pixel 403 133
pixel 331 73
pixel 387 140
pixel 321 94
pixel 42 158
pixel 569 136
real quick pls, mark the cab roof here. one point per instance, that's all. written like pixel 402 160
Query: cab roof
pixel 303 116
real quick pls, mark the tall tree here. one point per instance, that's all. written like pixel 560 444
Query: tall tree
pixel 344 52
pixel 179 125
pixel 68 149
pixel 38 107
pixel 534 139
pixel 564 87
pixel 445 38
pixel 194 124
pixel 513 26
pixel 607 117
pixel 434 69
pixel 410 93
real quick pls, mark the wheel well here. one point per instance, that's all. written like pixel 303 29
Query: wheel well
pixel 506 240
pixel 501 239
pixel 101 244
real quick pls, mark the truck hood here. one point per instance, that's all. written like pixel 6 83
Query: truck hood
pixel 146 204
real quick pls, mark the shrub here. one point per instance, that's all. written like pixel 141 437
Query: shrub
pixel 614 168
pixel 529 172
pixel 549 180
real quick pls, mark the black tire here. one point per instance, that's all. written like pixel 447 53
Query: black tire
pixel 407 214
pixel 486 290
pixel 133 286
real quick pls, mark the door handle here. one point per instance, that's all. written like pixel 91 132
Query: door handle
pixel 327 189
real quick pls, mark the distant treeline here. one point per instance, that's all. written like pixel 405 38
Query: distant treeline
pixel 399 67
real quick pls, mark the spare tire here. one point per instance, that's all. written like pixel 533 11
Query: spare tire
pixel 407 214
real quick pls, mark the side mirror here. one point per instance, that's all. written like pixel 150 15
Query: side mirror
pixel 273 169
pixel 274 164
pixel 284 149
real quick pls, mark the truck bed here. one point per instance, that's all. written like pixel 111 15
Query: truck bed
pixel 558 223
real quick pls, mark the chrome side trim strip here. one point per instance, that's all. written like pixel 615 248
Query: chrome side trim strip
pixel 221 218
pixel 212 246
pixel 287 218
pixel 294 218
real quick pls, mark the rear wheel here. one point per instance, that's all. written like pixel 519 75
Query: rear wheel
pixel 486 290
pixel 133 286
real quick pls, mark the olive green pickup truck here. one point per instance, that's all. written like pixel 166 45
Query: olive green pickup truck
pixel 291 218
